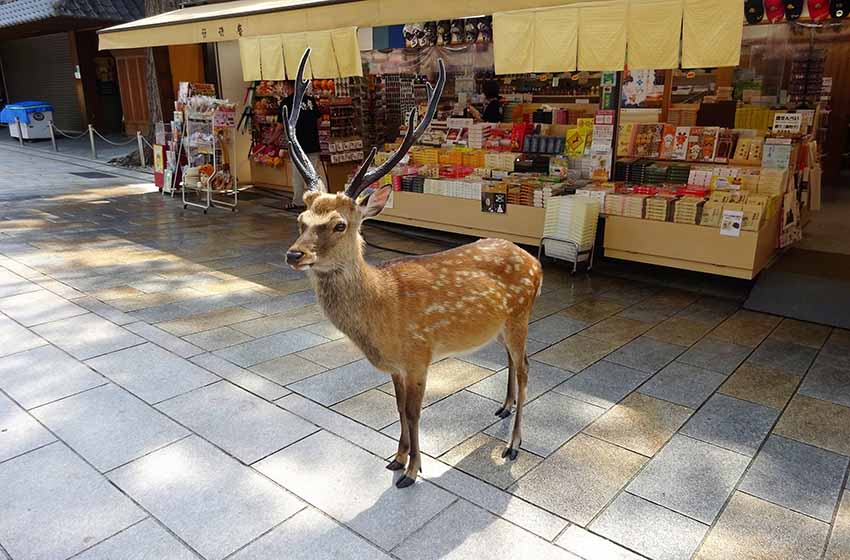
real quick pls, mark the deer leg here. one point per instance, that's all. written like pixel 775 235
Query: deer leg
pixel 400 459
pixel 515 340
pixel 415 385
pixel 505 411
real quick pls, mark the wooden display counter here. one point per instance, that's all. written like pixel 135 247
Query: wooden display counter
pixel 692 247
pixel 280 178
pixel 521 224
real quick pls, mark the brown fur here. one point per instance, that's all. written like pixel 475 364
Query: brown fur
pixel 407 313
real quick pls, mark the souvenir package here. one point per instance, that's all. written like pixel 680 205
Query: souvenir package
pixel 470 30
pixel 485 29
pixel 709 142
pixel 694 149
pixel 668 141
pixel 724 146
pixel 430 34
pixel 444 32
pixel 712 214
pixel 625 139
pixel 680 142
pixel 458 33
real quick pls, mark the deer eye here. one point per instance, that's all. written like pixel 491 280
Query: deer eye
pixel 340 227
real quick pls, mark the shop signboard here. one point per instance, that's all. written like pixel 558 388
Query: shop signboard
pixel 787 122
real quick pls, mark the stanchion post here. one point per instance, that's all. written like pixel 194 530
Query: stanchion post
pixel 20 131
pixel 52 136
pixel 141 147
pixel 91 139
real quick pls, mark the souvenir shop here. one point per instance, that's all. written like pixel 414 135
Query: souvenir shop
pixel 694 133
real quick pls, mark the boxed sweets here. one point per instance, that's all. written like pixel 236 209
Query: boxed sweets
pixel 712 214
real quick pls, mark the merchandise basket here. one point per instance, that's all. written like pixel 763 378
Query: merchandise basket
pixel 569 232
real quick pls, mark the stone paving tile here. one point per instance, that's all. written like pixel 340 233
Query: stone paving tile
pixel 44 374
pixel 495 357
pixel 801 332
pixel 746 328
pixel 839 541
pixel 143 541
pixel 333 354
pixel 160 313
pixel 645 354
pixel 87 336
pixel 786 357
pixel 336 385
pixel 450 421
pixel 837 345
pixel 679 331
pixel 647 312
pixel 310 535
pixel 449 376
pixel 827 383
pixel 732 424
pixel 285 303
pixel 579 479
pixel 206 321
pixel 760 385
pixel 54 505
pixel 268 348
pixel 19 432
pixel 108 426
pixel 151 373
pixel 161 338
pixel 288 320
pixel 548 422
pixel 287 369
pixel 11 284
pixel 554 328
pixel 355 488
pixel 507 506
pixel 797 476
pixel 576 353
pixel 649 529
pixel 244 378
pixel 371 440
pixel 817 423
pixel 640 423
pixel 603 384
pixel 617 330
pixel 592 547
pixel 154 299
pixel 690 477
pixel 541 378
pixel 716 355
pixel 481 456
pixel 41 306
pixel 464 530
pixel 242 424
pixel 216 339
pixel 205 497
pixel 683 384
pixel 104 310
pixel 592 310
pixel 628 295
pixel 15 338
pixel 374 408
pixel 758 530
pixel 325 329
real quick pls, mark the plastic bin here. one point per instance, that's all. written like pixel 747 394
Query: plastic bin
pixel 35 118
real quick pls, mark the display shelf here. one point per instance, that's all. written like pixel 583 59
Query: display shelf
pixel 692 247
pixel 521 224
pixel 730 163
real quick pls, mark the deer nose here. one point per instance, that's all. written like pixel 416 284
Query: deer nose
pixel 292 257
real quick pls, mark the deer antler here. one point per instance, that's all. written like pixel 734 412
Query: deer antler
pixel 296 153
pixel 364 177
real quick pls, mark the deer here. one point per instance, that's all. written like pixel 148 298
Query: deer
pixel 407 313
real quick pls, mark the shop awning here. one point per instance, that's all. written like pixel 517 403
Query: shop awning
pixel 230 21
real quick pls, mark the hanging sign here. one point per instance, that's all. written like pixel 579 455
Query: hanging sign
pixel 787 122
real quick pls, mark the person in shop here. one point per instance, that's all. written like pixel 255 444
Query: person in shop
pixel 493 107
pixel 307 132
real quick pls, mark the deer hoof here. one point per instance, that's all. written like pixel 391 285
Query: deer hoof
pixel 395 466
pixel 503 412
pixel 404 482
pixel 510 453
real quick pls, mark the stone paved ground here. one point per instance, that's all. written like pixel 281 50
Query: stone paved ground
pixel 168 389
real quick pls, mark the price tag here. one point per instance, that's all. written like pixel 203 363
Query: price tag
pixel 731 223
pixel 787 122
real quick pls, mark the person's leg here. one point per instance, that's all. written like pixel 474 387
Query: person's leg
pixel 297 189
pixel 316 159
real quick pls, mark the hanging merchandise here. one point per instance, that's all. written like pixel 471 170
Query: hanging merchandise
pixel 754 11
pixel 208 178
pixel 818 9
pixel 838 9
pixel 775 10
pixel 793 9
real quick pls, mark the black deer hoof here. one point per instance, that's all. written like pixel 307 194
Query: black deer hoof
pixel 404 482
pixel 395 466
pixel 510 453
pixel 503 412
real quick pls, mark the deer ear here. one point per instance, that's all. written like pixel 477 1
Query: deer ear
pixel 372 201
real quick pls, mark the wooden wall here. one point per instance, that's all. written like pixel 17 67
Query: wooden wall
pixel 130 64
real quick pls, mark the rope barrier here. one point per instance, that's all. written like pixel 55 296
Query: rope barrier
pixel 145 140
pixel 108 141
pixel 67 134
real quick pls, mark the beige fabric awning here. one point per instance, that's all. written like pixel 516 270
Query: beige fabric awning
pixel 231 21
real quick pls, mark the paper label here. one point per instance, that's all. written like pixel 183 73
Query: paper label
pixel 731 223
pixel 787 122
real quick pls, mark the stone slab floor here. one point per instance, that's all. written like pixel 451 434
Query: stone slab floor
pixel 170 390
